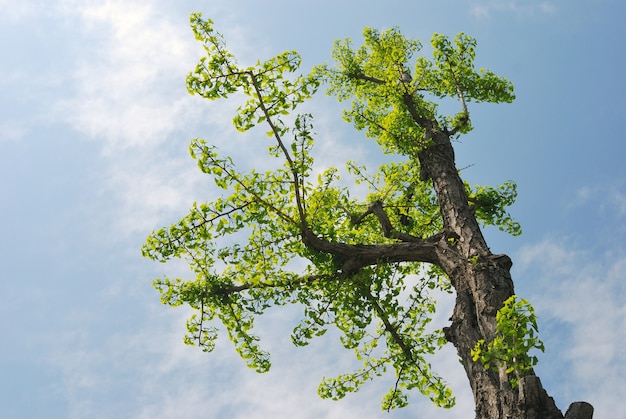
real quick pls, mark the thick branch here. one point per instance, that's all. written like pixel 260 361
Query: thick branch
pixel 361 76
pixel 425 123
pixel 376 208
pixel 355 257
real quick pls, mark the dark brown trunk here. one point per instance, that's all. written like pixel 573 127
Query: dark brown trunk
pixel 482 285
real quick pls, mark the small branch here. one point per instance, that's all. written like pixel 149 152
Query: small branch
pixel 467 167
pixel 209 221
pixel 395 387
pixel 354 219
pixel 377 209
pixel 199 337
pixel 388 230
pixel 393 331
pixel 243 287
pixel 389 327
pixel 256 196
pixel 458 87
pixel 453 131
pixel 296 179
pixel 465 119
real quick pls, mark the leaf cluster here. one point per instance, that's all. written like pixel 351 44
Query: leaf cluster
pixel 401 341
pixel 516 336
pixel 270 90
pixel 490 205
pixel 284 236
pixel 394 101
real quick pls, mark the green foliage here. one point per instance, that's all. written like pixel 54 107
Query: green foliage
pixel 378 349
pixel 490 205
pixel 516 335
pixel 271 93
pixel 280 237
pixel 397 113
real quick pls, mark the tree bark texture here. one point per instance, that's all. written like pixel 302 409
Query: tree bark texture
pixel 579 410
pixel 482 282
pixel 482 285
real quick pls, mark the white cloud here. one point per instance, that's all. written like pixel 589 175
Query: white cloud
pixel 484 9
pixel 129 81
pixel 13 12
pixel 584 293
pixel 130 78
pixel 605 198
pixel 11 131
pixel 145 371
pixel 129 94
pixel 479 11
pixel 151 190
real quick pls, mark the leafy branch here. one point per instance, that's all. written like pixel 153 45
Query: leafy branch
pixel 352 256
pixel 516 335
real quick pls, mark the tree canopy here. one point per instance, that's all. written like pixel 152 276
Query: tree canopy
pixel 365 264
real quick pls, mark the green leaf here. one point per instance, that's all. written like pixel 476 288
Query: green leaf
pixel 249 247
pixel 514 338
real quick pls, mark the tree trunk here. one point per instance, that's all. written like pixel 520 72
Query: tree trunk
pixel 482 285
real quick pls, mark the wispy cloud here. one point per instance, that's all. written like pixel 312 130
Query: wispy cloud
pixel 485 9
pixel 129 82
pixel 129 94
pixel 14 12
pixel 10 131
pixel 584 293
pixel 155 375
pixel 605 198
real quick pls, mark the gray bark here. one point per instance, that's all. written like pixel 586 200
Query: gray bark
pixel 481 289
pixel 579 410
pixel 481 279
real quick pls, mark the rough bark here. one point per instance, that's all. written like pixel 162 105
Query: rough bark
pixel 481 289
pixel 481 279
pixel 579 410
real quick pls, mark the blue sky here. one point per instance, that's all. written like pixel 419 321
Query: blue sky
pixel 95 123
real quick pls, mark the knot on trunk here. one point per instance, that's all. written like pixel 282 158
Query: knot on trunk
pixel 579 410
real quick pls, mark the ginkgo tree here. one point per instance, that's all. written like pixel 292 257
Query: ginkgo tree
pixel 363 263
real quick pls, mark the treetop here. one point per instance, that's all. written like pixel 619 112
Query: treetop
pixel 364 265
